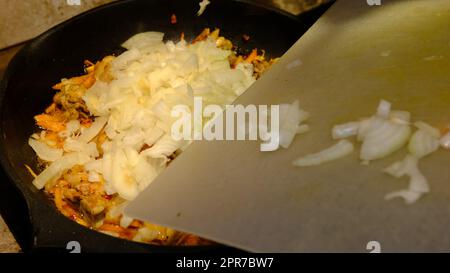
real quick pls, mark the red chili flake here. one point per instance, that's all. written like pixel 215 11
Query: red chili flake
pixel 173 19
pixel 108 197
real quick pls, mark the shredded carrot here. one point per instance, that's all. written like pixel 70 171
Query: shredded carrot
pixel 50 122
pixel 58 86
pixel 238 60
pixel 136 224
pixel 30 170
pixel 202 36
pixel 215 34
pixel 58 199
pixel 51 108
pixel 191 240
pixel 111 228
pixel 88 63
pixel 90 69
pixel 111 221
pixel 89 81
pixel 252 56
pixel 86 80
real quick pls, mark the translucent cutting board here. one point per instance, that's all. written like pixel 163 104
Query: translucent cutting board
pixel 351 58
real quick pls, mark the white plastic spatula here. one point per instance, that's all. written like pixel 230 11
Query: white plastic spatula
pixel 355 55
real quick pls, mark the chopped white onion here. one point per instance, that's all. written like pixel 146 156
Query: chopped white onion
pixel 363 128
pixel 134 109
pixel 71 127
pixel 291 116
pixel 93 176
pixel 382 138
pixel 94 165
pixel 445 141
pixel 410 197
pixel 143 40
pixel 89 133
pixel 163 147
pixel 122 179
pixel 424 141
pixel 384 108
pixel 45 152
pixel 90 149
pixel 345 130
pixel 56 168
pixel 418 184
pixel 202 7
pixel 400 116
pixel 338 150
pixel 146 234
pixel 434 132
pixel 153 135
pixel 116 211
pixel 125 221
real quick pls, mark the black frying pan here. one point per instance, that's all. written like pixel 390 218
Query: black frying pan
pixel 25 91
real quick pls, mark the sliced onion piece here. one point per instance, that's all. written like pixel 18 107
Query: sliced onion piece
pixel 382 138
pixel 418 184
pixel 384 108
pixel 410 197
pixel 56 169
pixel 44 151
pixel 90 149
pixel 202 7
pixel 445 141
pixel 143 39
pixel 424 141
pixel 122 180
pixel 91 132
pixel 116 211
pixel 338 150
pixel 345 130
pixel 125 221
pixel 94 165
pixel 291 115
pixel 402 117
pixel 164 147
pixel 363 128
pixel 146 233
pixel 71 127
pixel 93 176
pixel 428 128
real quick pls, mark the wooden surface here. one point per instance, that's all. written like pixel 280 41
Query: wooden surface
pixel 7 242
